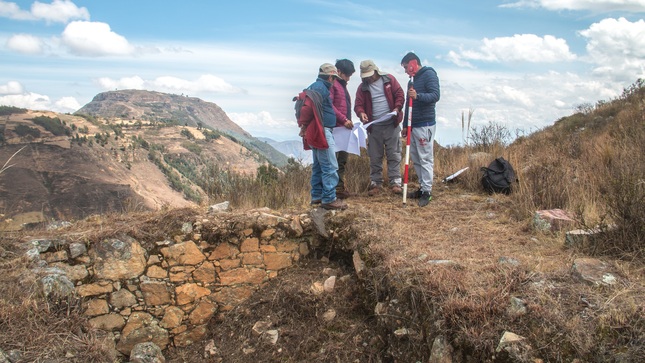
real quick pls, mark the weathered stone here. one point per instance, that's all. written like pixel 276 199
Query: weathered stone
pixel 205 273
pixel 156 272
pixel 96 307
pixel 218 208
pixel 153 260
pixel 441 351
pixel 317 288
pixel 190 337
pixel 190 292
pixel 242 276
pixel 329 315
pixel 252 258
pixel 77 249
pixel 593 271
pixel 229 297
pixel 118 259
pixel 141 328
pixel 42 245
pixel 277 261
pixel 517 307
pixel 250 245
pixel 516 346
pixel 268 248
pixel 581 237
pixel 230 264
pixel 267 233
pixel 155 293
pixel 98 288
pixel 329 284
pixel 270 220
pixel 303 249
pixel 552 219
pixel 172 317
pixel 181 273
pixel 178 330
pixel 359 265
pixel 224 251
pixel 122 298
pixel 74 273
pixel 57 286
pixel 185 253
pixel 287 246
pixel 202 312
pixel 271 336
pixel 107 322
pixel 57 256
pixel 146 352
pixel 296 226
pixel 187 228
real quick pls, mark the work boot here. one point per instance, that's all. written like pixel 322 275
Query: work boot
pixel 374 190
pixel 315 202
pixel 337 204
pixel 396 189
pixel 415 194
pixel 424 199
pixel 343 194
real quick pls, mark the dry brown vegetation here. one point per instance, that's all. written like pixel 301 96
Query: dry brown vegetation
pixel 589 164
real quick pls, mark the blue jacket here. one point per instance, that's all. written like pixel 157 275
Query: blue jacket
pixel 426 83
pixel 322 87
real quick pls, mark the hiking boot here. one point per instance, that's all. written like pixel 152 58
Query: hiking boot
pixel 315 202
pixel 335 205
pixel 424 199
pixel 415 194
pixel 343 194
pixel 374 190
pixel 396 189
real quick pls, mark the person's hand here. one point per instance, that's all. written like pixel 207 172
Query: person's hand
pixel 364 117
pixel 349 124
pixel 412 93
pixel 404 132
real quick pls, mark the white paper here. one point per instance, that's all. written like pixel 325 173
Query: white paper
pixel 386 117
pixel 352 140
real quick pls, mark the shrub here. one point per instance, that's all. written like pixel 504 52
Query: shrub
pixel 24 130
pixel 53 125
pixel 9 110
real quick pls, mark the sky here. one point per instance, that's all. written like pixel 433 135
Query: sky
pixel 521 64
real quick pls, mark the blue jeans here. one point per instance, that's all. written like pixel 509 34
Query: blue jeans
pixel 324 171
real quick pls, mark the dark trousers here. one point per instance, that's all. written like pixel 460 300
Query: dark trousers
pixel 342 157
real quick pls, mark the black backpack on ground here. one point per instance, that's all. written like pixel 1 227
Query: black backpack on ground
pixel 498 176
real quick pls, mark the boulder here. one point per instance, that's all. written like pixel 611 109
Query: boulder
pixel 118 259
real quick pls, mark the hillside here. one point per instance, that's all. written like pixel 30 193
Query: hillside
pixel 68 167
pixel 171 109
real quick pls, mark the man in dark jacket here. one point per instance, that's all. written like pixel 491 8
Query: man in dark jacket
pixel 317 112
pixel 423 89
pixel 343 108
pixel 379 95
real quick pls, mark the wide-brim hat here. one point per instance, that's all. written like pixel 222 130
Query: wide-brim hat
pixel 327 69
pixel 368 68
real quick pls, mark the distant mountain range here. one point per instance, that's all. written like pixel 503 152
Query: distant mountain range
pixel 291 148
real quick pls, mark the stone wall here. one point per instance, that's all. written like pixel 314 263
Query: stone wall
pixel 167 291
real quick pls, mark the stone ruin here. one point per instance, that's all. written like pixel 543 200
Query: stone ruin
pixel 167 292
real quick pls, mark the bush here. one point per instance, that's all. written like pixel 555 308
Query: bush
pixel 24 130
pixel 9 110
pixel 53 125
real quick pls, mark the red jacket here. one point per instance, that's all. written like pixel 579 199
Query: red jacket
pixel 311 126
pixel 393 93
pixel 340 101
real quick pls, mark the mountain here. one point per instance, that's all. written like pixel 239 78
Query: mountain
pixel 171 109
pixel 67 166
pixel 291 148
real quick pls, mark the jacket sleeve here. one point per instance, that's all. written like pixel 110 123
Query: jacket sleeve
pixel 359 103
pixel 430 86
pixel 306 113
pixel 333 93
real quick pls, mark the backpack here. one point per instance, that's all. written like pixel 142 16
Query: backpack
pixel 498 176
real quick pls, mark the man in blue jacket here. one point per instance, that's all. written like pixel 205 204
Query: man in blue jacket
pixel 423 89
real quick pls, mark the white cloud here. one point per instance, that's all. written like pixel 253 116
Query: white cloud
pixel 520 47
pixel 636 6
pixel 206 83
pixel 264 124
pixel 32 101
pixel 95 39
pixel 11 88
pixel 25 44
pixel 59 11
pixel 12 11
pixel 67 104
pixel 617 46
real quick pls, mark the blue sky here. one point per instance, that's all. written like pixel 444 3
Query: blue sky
pixel 519 63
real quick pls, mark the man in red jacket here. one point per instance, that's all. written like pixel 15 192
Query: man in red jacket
pixel 377 96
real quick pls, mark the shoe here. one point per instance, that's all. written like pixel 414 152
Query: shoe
pixel 315 202
pixel 424 199
pixel 374 190
pixel 396 189
pixel 343 194
pixel 335 205
pixel 415 194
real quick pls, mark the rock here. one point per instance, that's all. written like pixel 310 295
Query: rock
pixel 141 328
pixel 329 284
pixel 147 352
pixel 155 293
pixel 359 265
pixel 74 273
pixel 156 272
pixel 260 327
pixel 4 358
pixel 122 298
pixel 441 351
pixel 57 225
pixel 118 259
pixel 190 337
pixel 107 322
pixel 96 307
pixel 202 313
pixel 185 253
pixel 317 288
pixel 271 337
pixel 205 273
pixel 41 244
pixel 219 208
pixel 296 227
pixel 552 220
pixel 172 318
pixel 190 292
pixel 329 315
pixel 211 350
pixel 516 347
pixel 224 251
pixel 57 286
pixel 517 307
pixel 187 228
pixel 77 249
pixel 277 261
pixel 593 271
pixel 236 276
pixel 99 288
